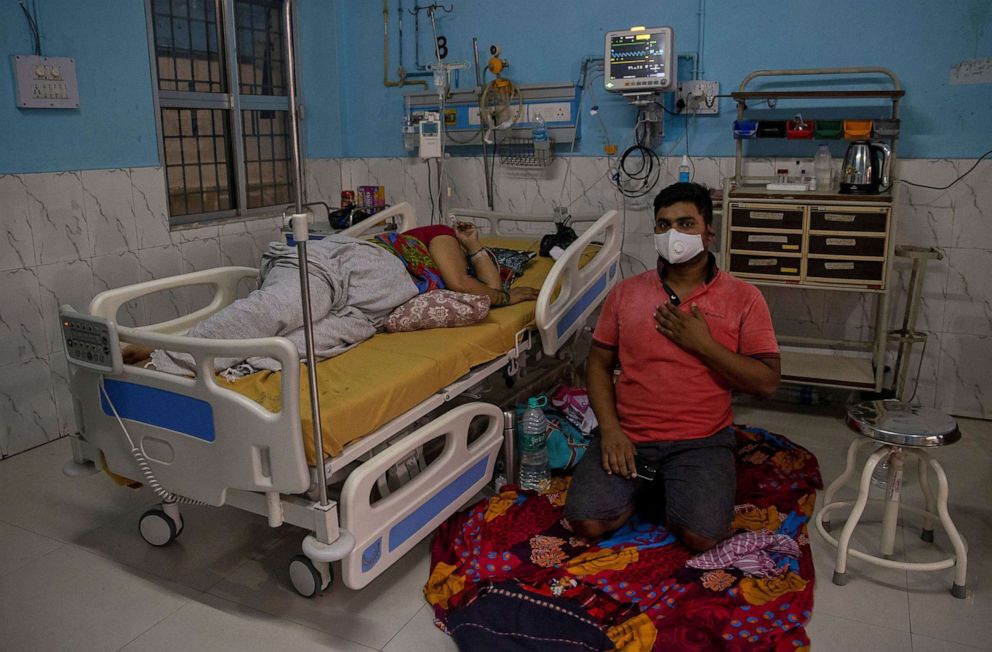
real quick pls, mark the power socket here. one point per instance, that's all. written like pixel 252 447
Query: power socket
pixel 700 97
pixel 550 112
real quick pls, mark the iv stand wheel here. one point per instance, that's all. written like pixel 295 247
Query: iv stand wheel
pixel 307 578
pixel 157 528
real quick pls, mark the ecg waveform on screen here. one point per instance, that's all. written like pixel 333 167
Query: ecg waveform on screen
pixel 627 55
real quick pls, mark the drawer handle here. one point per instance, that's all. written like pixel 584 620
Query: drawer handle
pixel 841 242
pixel 838 217
pixel 760 237
pixel 767 215
pixel 762 262
pixel 838 265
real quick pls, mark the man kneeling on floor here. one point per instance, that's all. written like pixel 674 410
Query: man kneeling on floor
pixel 684 336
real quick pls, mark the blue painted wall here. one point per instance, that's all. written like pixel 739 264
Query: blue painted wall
pixel 114 125
pixel 349 113
pixel 545 41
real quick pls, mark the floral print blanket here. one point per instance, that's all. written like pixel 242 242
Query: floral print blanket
pixel 510 563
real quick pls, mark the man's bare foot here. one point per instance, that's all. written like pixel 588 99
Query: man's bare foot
pixel 135 353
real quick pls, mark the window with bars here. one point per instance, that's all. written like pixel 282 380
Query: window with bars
pixel 225 153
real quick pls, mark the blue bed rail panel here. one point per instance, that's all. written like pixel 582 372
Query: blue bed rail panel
pixel 158 407
pixel 419 517
pixel 584 301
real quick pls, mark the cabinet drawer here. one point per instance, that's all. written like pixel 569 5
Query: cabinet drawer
pixel 847 245
pixel 767 217
pixel 784 267
pixel 844 218
pixel 855 272
pixel 770 242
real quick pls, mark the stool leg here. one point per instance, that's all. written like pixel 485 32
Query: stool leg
pixel 929 502
pixel 893 492
pixel 960 548
pixel 840 567
pixel 836 485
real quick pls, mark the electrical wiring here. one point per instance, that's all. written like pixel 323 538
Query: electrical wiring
pixel 430 189
pixel 33 26
pixel 970 170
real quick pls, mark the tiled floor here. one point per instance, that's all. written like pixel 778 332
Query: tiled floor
pixel 74 573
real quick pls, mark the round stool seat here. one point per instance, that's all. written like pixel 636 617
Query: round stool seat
pixel 900 424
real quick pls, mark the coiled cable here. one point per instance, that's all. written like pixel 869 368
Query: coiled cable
pixel 143 464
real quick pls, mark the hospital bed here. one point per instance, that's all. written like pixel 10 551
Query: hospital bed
pixel 395 478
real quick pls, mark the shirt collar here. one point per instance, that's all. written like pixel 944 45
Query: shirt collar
pixel 711 268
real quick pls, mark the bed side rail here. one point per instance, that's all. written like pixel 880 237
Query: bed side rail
pixel 387 529
pixel 581 289
pixel 497 221
pixel 403 213
pixel 224 281
pixel 199 438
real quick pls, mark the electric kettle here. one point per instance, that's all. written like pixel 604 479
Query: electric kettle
pixel 866 168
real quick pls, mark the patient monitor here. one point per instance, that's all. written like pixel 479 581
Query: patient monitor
pixel 640 60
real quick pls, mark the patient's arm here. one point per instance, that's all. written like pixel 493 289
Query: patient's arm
pixel 450 259
pixel 136 354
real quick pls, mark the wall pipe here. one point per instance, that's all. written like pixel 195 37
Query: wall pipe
pixel 701 41
pixel 385 56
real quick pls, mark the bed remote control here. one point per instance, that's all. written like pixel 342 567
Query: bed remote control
pixel 91 342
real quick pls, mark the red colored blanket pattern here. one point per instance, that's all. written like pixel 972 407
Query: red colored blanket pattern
pixel 635 586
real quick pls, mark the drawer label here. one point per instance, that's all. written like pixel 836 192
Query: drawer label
pixel 838 217
pixel 789 270
pixel 767 215
pixel 762 237
pixel 762 262
pixel 841 242
pixel 846 265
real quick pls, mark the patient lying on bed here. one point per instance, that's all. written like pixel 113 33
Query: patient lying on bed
pixel 354 285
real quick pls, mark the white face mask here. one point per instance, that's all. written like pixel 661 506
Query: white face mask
pixel 676 247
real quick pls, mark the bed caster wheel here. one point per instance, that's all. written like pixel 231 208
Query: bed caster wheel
pixel 958 591
pixel 157 528
pixel 827 526
pixel 927 535
pixel 307 578
pixel 840 579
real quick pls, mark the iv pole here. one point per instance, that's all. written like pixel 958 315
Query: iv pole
pixel 301 235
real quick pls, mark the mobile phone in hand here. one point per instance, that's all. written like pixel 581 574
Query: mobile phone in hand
pixel 645 470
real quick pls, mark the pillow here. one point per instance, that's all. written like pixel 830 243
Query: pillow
pixel 437 309
pixel 511 263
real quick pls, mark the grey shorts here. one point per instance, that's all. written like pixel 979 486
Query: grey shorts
pixel 695 485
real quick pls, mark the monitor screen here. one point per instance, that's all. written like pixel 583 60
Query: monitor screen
pixel 640 60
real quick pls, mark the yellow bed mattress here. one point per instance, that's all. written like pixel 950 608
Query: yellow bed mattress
pixel 390 373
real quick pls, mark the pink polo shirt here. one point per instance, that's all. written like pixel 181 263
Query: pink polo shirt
pixel 665 393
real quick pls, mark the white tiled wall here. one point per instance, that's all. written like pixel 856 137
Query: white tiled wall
pixel 957 293
pixel 67 236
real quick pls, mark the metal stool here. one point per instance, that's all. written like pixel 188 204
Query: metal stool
pixel 902 430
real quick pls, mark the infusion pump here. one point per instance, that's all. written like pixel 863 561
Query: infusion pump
pixel 430 135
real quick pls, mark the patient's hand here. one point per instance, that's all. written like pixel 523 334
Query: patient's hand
pixel 522 293
pixel 467 236
pixel 135 353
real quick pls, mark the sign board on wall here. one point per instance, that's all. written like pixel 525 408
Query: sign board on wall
pixel 972 71
pixel 46 82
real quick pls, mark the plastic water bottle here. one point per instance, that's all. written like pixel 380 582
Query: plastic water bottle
pixel 542 146
pixel 684 169
pixel 823 168
pixel 534 473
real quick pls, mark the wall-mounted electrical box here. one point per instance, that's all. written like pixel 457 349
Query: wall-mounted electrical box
pixel 46 82
pixel 700 97
pixel 557 104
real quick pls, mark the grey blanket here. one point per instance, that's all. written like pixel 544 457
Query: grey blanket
pixel 354 285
